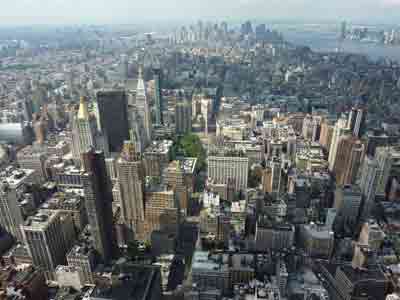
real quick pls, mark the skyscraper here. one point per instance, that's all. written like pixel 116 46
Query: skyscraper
pixel 183 118
pixel 356 121
pixel 98 201
pixel 43 235
pixel 131 182
pixel 158 95
pixel 221 169
pixel 143 107
pixel 84 130
pixel 112 107
pixel 368 184
pixel 339 130
pixel 10 214
pixel 348 159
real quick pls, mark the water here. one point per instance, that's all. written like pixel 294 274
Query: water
pixel 328 41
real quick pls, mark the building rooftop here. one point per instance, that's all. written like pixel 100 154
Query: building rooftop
pixel 41 220
pixel 128 282
pixel 14 177
pixel 161 147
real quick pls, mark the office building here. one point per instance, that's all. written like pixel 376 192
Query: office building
pixel 32 157
pixel 161 211
pixel 85 134
pixel 174 178
pixel 348 159
pixel 326 134
pixel 72 202
pixel 370 176
pixel 131 180
pixel 348 202
pixel 183 118
pixel 210 273
pixel 143 107
pixel 83 257
pixel 129 281
pixel 281 277
pixel 113 118
pixel 317 240
pixel 98 201
pixel 10 213
pixel 156 157
pixel 223 168
pixel 339 130
pixel 388 159
pixel 158 96
pixel 43 235
pixel 356 121
pixel 273 236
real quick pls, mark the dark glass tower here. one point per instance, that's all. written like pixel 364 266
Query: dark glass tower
pixel 157 73
pixel 98 201
pixel 113 116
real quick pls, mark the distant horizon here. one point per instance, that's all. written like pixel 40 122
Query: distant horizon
pixel 187 21
pixel 111 12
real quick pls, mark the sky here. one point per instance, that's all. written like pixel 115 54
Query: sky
pixel 135 11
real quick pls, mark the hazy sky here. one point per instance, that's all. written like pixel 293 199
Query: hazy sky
pixel 133 11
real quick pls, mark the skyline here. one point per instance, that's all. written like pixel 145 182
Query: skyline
pixel 28 12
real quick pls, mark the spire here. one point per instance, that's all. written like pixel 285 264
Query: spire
pixel 83 112
pixel 140 89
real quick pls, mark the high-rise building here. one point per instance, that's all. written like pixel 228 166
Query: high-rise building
pixel 273 236
pixel 43 236
pixel 34 158
pixel 175 179
pixel 131 185
pixel 183 117
pixel 348 202
pixel 85 133
pixel 223 168
pixel 143 106
pixel 11 216
pixel 388 159
pixel 369 182
pixel 356 121
pixel 113 117
pixel 158 79
pixel 348 159
pixel 325 137
pixel 98 201
pixel 339 130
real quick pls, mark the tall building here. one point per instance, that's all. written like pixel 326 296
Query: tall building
pixel 98 201
pixel 143 106
pixel 356 121
pixel 348 159
pixel 325 137
pixel 223 168
pixel 34 158
pixel 388 159
pixel 85 133
pixel 348 202
pixel 131 185
pixel 43 236
pixel 369 182
pixel 113 117
pixel 339 130
pixel 158 79
pixel 183 117
pixel 175 179
pixel 11 216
